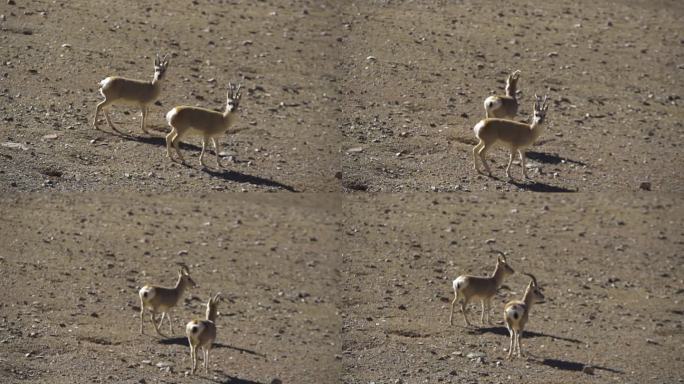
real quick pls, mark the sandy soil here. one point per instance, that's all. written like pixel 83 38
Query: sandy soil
pixel 337 285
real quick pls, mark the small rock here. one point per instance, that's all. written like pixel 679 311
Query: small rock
pixel 371 58
pixel 588 369
pixel 50 136
pixel 164 364
pixel 355 150
pixel 475 355
pixel 67 46
pixel 645 185
pixel 9 144
pixel 490 241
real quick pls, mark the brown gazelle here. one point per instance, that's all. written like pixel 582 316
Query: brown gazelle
pixel 467 288
pixel 202 122
pixel 120 90
pixel 504 107
pixel 159 299
pixel 202 333
pixel 516 313
pixel 517 136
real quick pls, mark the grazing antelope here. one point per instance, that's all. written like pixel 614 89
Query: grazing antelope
pixel 159 299
pixel 516 135
pixel 504 107
pixel 516 313
pixel 204 122
pixel 202 333
pixel 479 287
pixel 120 90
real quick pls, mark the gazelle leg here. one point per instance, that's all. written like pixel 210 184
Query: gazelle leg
pixel 168 317
pixel 175 141
pixel 206 359
pixel 476 150
pixel 143 110
pixel 142 313
pixel 482 316
pixel 204 146
pixel 193 356
pixel 161 321
pixel 451 315
pixel 109 121
pixel 522 163
pixel 97 111
pixel 510 161
pixel 464 310
pixel 169 141
pixel 216 150
pixel 488 307
pixel 517 336
pixel 483 153
pixel 511 344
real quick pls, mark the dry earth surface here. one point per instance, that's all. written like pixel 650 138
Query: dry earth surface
pixel 376 96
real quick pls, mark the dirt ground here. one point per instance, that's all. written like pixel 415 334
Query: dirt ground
pixel 341 98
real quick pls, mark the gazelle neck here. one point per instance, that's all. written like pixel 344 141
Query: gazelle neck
pixel 498 274
pixel 528 297
pixel 511 89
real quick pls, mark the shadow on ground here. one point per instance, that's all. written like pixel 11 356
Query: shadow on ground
pixel 548 158
pixel 502 331
pixel 245 178
pixel 574 366
pixel 184 342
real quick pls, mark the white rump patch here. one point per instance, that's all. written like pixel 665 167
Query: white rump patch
pixel 478 127
pixel 459 283
pixel 492 103
pixel 147 293
pixel 171 114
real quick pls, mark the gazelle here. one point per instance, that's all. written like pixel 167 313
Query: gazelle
pixel 202 333
pixel 504 107
pixel 204 122
pixel 484 288
pixel 159 299
pixel 120 90
pixel 516 313
pixel 518 136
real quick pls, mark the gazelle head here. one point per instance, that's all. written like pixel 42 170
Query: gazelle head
pixel 160 65
pixel 184 276
pixel 540 108
pixel 535 290
pixel 234 96
pixel 502 264
pixel 512 83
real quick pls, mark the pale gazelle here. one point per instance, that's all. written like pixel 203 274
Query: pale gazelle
pixel 202 333
pixel 517 312
pixel 203 122
pixel 159 299
pixel 121 90
pixel 504 107
pixel 468 287
pixel 517 136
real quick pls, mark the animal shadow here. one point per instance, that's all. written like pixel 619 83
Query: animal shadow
pixel 533 186
pixel 548 158
pixel 502 331
pixel 184 342
pixel 238 177
pixel 574 366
